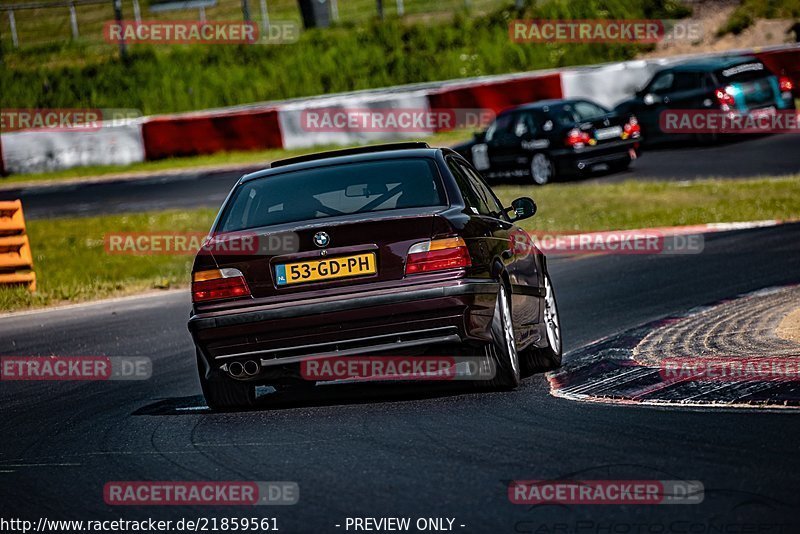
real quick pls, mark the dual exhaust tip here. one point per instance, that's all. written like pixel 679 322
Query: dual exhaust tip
pixel 246 369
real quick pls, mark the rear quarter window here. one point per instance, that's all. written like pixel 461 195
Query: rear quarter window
pixel 564 115
pixel 687 81
pixel 500 126
pixel 662 83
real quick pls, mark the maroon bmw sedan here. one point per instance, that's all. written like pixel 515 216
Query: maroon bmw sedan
pixel 397 249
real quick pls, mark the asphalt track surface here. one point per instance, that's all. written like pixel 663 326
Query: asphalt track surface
pixel 408 450
pixel 737 158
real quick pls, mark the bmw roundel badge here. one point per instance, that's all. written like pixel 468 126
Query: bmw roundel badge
pixel 322 239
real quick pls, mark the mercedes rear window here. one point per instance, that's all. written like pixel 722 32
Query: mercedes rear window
pixel 346 189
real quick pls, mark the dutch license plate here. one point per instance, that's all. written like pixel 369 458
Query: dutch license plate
pixel 608 133
pixel 327 269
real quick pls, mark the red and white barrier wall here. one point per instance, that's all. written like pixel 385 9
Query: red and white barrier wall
pixel 280 124
pixel 33 151
pixel 497 93
pixel 295 132
pixel 192 134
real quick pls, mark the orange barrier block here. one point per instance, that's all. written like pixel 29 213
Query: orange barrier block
pixel 19 279
pixel 11 219
pixel 16 259
pixel 15 251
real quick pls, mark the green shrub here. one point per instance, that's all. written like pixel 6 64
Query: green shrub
pixel 745 14
pixel 343 58
pixel 739 21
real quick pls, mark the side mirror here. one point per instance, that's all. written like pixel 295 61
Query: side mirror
pixel 478 136
pixel 649 99
pixel 523 208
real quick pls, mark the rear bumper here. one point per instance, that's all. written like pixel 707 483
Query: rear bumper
pixel 385 321
pixel 584 160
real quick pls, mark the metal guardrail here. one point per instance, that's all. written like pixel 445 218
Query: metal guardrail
pixel 16 259
pixel 35 22
pixel 57 3
pixel 70 4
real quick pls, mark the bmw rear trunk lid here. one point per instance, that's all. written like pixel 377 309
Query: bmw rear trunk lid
pixel 337 253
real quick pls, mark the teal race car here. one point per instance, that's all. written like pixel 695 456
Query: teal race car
pixel 735 84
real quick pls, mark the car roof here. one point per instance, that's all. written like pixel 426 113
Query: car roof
pixel 539 104
pixel 712 63
pixel 340 157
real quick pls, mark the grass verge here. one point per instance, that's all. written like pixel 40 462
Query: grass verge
pixel 639 204
pixel 72 265
pixel 163 79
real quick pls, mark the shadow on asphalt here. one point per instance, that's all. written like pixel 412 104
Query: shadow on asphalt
pixel 325 395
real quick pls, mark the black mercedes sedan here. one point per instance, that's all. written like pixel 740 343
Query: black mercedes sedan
pixel 552 138
pixel 400 248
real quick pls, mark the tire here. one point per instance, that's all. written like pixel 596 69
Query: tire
pixel 536 359
pixel 620 166
pixel 223 393
pixel 503 349
pixel 542 169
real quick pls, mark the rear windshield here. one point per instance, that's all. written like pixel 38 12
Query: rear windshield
pixel 744 73
pixel 332 191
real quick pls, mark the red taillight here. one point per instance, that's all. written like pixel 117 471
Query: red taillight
pixel 438 255
pixel 785 83
pixel 218 284
pixel 577 138
pixel 632 129
pixel 725 98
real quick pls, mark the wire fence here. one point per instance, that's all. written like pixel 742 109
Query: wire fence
pixel 26 24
